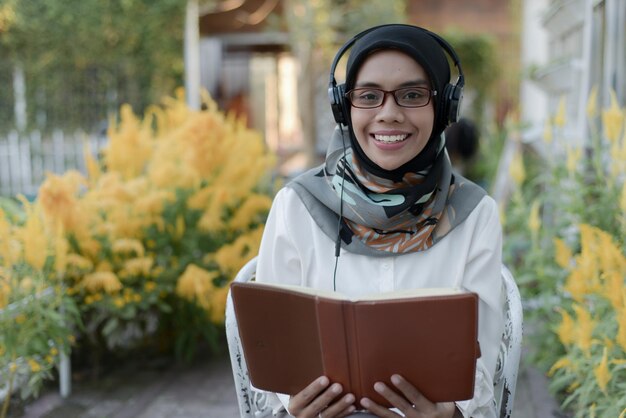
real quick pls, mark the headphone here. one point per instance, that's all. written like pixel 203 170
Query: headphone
pixel 450 99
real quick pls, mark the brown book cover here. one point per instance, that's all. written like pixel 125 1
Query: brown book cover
pixel 292 335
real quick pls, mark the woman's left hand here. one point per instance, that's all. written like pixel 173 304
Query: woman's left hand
pixel 407 399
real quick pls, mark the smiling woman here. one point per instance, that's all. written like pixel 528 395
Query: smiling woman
pixel 385 213
pixel 392 133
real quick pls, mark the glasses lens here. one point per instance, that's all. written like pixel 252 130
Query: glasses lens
pixel 412 96
pixel 366 98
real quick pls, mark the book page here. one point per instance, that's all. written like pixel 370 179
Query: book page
pixel 398 294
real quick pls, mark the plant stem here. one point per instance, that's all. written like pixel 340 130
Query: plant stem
pixel 7 399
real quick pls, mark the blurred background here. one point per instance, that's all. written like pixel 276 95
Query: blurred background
pixel 122 120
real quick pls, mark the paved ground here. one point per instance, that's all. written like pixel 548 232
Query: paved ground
pixel 205 390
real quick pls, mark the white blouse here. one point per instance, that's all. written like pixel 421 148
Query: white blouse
pixel 294 250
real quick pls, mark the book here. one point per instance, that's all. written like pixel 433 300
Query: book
pixel 291 335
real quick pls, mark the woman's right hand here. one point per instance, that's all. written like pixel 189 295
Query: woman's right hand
pixel 321 400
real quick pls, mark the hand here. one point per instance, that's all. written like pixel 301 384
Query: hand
pixel 410 401
pixel 321 400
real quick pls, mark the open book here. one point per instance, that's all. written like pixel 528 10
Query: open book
pixel 292 335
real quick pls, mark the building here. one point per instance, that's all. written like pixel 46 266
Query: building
pixel 569 47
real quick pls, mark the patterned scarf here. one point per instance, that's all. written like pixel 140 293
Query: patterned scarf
pixel 381 217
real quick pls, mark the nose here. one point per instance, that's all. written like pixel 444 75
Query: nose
pixel 389 111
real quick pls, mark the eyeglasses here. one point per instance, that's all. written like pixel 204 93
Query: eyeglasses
pixel 369 98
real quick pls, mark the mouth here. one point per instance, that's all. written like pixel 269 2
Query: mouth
pixel 390 139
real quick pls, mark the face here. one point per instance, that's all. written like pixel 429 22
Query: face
pixel 391 135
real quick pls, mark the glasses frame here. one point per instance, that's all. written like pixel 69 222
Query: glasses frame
pixel 431 93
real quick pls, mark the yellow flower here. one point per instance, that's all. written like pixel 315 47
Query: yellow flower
pixel 559 118
pixel 149 286
pixel 130 144
pixel 128 245
pixel 563 253
pixel 61 247
pixel 34 365
pixel 516 169
pixel 232 257
pixel 592 103
pixel 621 323
pixel 547 132
pixel 574 154
pixel 119 302
pixel 54 351
pixel 12 367
pixel 613 119
pixel 566 330
pixel 613 286
pixel 33 236
pixel 534 221
pixel 102 280
pixel 218 304
pixel 138 266
pixel 20 319
pixel 247 212
pixel 93 168
pixel 562 363
pixel 601 371
pixel 584 329
pixel 57 195
pixel 80 262
pixel 196 284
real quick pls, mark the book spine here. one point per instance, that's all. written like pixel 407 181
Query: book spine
pixel 352 345
pixel 332 339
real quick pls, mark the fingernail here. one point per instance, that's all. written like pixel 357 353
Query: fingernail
pixel 366 403
pixel 351 408
pixel 379 387
pixel 336 388
pixel 323 381
pixel 349 398
pixel 395 379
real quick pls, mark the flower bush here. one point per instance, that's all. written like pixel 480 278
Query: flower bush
pixel 162 223
pixel 38 320
pixel 568 249
pixel 146 243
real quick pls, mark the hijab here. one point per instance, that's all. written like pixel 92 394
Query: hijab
pixel 382 212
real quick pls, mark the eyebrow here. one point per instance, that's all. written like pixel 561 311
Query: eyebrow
pixel 413 83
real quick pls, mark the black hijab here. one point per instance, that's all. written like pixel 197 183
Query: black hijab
pixel 421 45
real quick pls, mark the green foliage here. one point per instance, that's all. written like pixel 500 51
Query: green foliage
pixel 480 65
pixel 90 56
pixel 38 322
pixel 565 239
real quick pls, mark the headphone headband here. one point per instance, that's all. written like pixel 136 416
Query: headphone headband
pixel 451 96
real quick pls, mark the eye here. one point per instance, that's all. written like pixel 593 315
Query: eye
pixel 414 94
pixel 364 96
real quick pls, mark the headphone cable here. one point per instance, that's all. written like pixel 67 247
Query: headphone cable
pixel 338 241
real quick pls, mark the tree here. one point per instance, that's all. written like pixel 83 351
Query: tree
pixel 84 58
pixel 316 29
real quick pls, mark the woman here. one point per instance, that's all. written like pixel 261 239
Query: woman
pixel 385 213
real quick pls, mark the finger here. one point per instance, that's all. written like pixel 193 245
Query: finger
pixel 393 397
pixel 341 408
pixel 323 401
pixel 303 398
pixel 411 393
pixel 376 409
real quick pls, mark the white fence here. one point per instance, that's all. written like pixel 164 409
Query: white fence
pixel 25 158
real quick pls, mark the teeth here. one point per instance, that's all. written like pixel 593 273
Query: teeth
pixel 390 138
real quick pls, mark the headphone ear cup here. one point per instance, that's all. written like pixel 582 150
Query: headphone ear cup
pixel 451 103
pixel 338 103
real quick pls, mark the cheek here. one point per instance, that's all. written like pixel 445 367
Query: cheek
pixel 359 121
